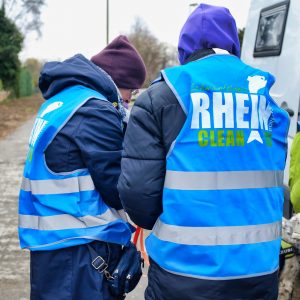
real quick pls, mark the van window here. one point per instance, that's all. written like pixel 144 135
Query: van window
pixel 270 31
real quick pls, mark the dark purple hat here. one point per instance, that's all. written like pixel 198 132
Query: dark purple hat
pixel 208 27
pixel 122 62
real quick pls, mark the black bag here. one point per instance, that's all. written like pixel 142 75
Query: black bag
pixel 126 274
pixel 128 271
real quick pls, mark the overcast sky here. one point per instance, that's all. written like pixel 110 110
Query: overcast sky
pixel 79 26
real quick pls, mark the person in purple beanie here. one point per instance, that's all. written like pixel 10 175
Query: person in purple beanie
pixel 202 167
pixel 70 215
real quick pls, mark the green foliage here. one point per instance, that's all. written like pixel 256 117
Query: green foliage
pixel 25 83
pixel 10 45
pixel 1 85
pixel 26 14
pixel 34 66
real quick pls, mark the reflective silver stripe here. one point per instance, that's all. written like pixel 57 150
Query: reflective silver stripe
pixel 60 222
pixel 223 278
pixel 228 180
pixel 87 237
pixel 212 236
pixel 25 185
pixel 58 186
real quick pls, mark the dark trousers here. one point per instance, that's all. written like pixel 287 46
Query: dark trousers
pixel 163 285
pixel 67 274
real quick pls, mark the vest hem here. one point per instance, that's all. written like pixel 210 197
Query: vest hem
pixel 89 239
pixel 220 278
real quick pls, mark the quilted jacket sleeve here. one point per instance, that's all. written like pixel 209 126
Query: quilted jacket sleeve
pixel 143 165
pixel 99 137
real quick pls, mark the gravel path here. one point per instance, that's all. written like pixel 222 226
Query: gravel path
pixel 14 263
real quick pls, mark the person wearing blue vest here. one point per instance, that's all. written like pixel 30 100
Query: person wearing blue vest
pixel 69 207
pixel 204 154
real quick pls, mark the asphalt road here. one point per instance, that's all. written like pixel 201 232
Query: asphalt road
pixel 14 263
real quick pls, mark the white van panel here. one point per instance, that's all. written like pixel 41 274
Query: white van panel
pixel 286 66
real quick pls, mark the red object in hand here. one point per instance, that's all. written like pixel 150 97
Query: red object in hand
pixel 140 232
pixel 136 234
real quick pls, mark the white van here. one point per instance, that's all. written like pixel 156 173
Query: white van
pixel 272 43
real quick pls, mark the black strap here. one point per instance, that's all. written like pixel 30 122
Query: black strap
pixel 98 262
pixel 288 252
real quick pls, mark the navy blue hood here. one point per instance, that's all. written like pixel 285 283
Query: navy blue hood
pixel 56 76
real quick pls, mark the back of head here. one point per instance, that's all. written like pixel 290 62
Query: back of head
pixel 122 62
pixel 208 27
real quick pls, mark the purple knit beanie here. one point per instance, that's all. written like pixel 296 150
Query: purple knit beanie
pixel 122 62
pixel 208 27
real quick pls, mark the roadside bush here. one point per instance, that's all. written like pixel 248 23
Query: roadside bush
pixel 10 45
pixel 26 87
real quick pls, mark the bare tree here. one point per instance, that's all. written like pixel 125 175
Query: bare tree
pixel 26 14
pixel 156 55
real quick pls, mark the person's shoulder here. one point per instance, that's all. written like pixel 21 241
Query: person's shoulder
pixel 95 113
pixel 94 107
pixel 157 96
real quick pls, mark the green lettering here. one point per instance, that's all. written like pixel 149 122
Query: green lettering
pixel 212 138
pixel 29 154
pixel 221 138
pixel 229 138
pixel 268 138
pixel 203 138
pixel 240 140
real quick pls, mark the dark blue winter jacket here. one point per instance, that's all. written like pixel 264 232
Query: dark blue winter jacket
pixel 93 137
pixel 145 150
pixel 158 108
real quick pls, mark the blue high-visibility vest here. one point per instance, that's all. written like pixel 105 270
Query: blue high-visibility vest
pixel 58 210
pixel 223 190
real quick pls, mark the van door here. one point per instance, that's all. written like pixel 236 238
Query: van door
pixel 272 43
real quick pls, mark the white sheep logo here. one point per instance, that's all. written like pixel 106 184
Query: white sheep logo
pixel 256 83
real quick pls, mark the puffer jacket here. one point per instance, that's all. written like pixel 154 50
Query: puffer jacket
pixel 158 108
pixel 93 137
pixel 145 151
